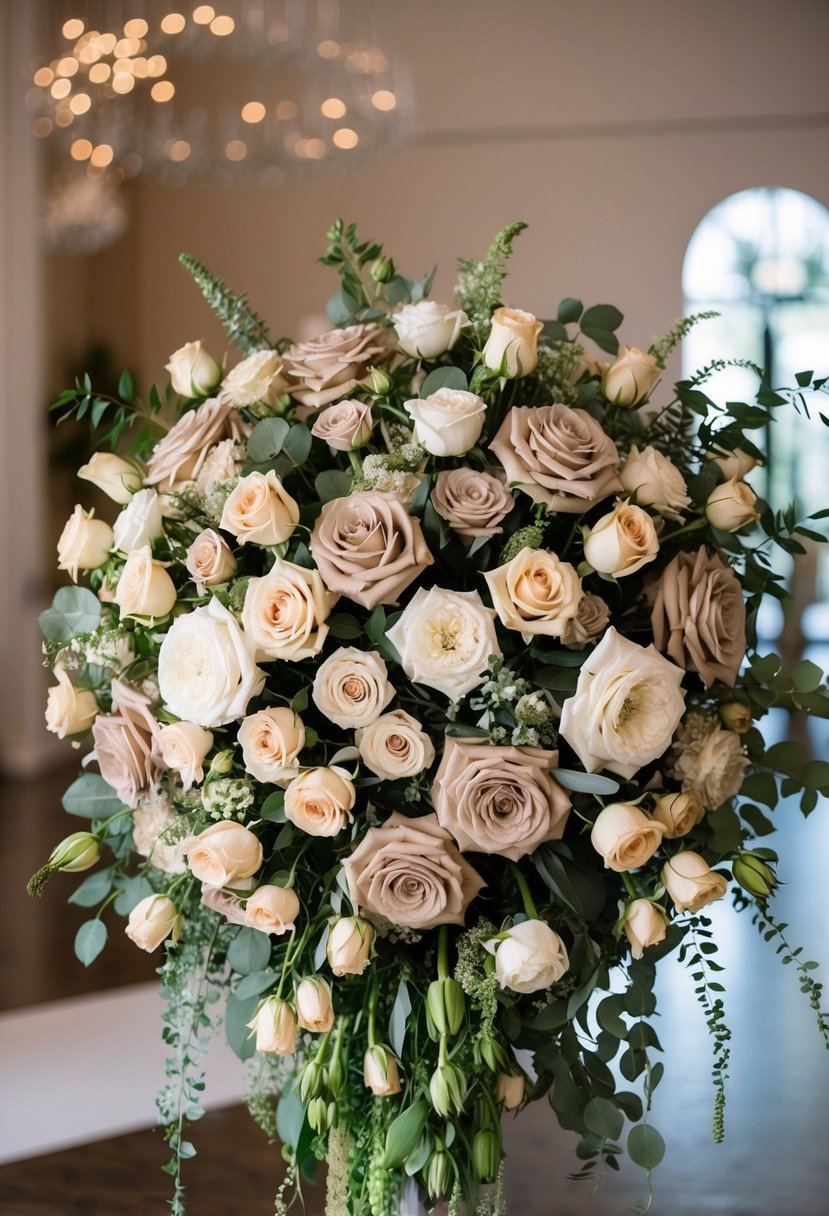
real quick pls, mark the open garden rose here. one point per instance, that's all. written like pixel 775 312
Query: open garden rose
pixel 691 883
pixel 535 593
pixel 645 925
pixel 395 746
pixel 152 920
pixel 69 710
pixel 352 687
pixel 145 589
pixel 445 640
pixel 656 482
pixel 193 372
pixel 178 457
pixel 272 909
pixel 275 1025
pixel 259 509
pixel 223 853
pixel 731 506
pixel 326 368
pixel 285 611
pixel 140 522
pixel 529 957
pixel 679 812
pixel 119 479
pixel 708 759
pixel 625 836
pixel 210 560
pixel 428 329
pixel 84 543
pixel 271 741
pixel 344 426
pixel 631 376
pixel 448 422
pixel 256 380
pixel 320 800
pixel 125 743
pixel 472 503
pixel 348 948
pixel 621 542
pixel 513 342
pixel 699 616
pixel 314 1005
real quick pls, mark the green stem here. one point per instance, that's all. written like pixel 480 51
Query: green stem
pixel 126 810
pixel 692 527
pixel 629 885
pixel 355 462
pixel 443 952
pixel 526 896
pixel 113 895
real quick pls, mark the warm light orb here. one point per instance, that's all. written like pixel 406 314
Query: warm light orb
pixel 80 103
pixel 237 149
pixel 101 156
pixel 123 84
pixel 64 118
pixel 328 49
pixel 173 23
pixel 383 99
pixel 204 14
pixel 286 110
pixel 99 73
pixel 73 28
pixel 136 27
pixel 178 149
pixel 67 67
pixel 332 107
pixel 44 77
pixel 43 127
pixel 163 90
pixel 156 65
pixel 253 111
pixel 314 149
pixel 81 149
pixel 107 43
pixel 222 26
pixel 344 137
pixel 61 88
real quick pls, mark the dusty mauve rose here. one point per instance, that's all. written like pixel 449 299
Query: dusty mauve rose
pixel 224 462
pixel 344 426
pixel 209 560
pixel 499 799
pixel 180 454
pixel 395 746
pixel 326 368
pixel 352 687
pixel 409 872
pixel 591 619
pixel 709 759
pixel 535 592
pixel 124 742
pixel 285 611
pixel 558 455
pixel 699 616
pixel 472 503
pixel 260 509
pixel 368 547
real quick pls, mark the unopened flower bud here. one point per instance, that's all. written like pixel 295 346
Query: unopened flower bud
pixel 755 875
pixel 221 764
pixel 336 1075
pixel 377 381
pixel 445 1003
pixel 318 1115
pixel 311 1081
pixel 736 716
pixel 439 1174
pixel 382 270
pixel 486 1154
pixel 510 1090
pixel 492 1053
pixel 447 1088
pixel 380 1071
pixel 77 852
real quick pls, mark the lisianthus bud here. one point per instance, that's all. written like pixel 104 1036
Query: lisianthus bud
pixel 318 1115
pixel 311 1081
pixel 336 1075
pixel 382 270
pixel 439 1174
pixel 755 875
pixel 377 381
pixel 736 716
pixel 77 852
pixel 492 1053
pixel 486 1154
pixel 445 1003
pixel 447 1088
pixel 380 1071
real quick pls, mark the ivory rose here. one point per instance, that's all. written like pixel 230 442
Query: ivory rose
pixel 271 741
pixel 557 455
pixel 259 509
pixel 512 342
pixel 69 710
pixel 380 1071
pixel 320 800
pixel 472 503
pixel 409 872
pixel 124 743
pixel 709 760
pixel 275 1025
pixel 285 611
pixel 145 589
pixel 272 909
pixel 139 524
pixel 529 957
pixel 182 747
pixel 428 329
pixel 156 833
pixel 256 380
pixel 116 477
pixel 656 482
pixel 645 925
pixel 210 560
pixel 179 456
pixel 631 376
pixel 349 945
pixel 448 422
pixel 731 506
pixel 314 1006
pixel 535 593
pixel 691 883
pixel 151 921
pixel 625 837
pixel 223 853
pixel 323 369
pixel 84 543
pixel 622 541
pixel 627 705
pixel 678 812
pixel 737 463
pixel 501 800
pixel 591 619
pixel 352 687
pixel 699 616
pixel 369 548
pixel 395 746
pixel 445 640
pixel 193 372
pixel 344 426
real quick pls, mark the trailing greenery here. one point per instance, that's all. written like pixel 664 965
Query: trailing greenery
pixel 245 328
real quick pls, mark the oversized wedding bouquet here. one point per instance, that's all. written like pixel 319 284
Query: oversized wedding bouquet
pixel 421 671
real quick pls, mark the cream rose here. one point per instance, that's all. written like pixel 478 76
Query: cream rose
pixel 734 464
pixel 380 1072
pixel 275 1025
pixel 352 687
pixel 445 640
pixel 222 463
pixel 285 611
pixel 324 369
pixel 182 747
pixel 271 740
pixel 395 746
pixel 69 710
pixel 428 329
pixel 731 506
pixel 156 834
pixel 179 456
pixel 513 342
pixel 116 477
pixel 349 945
pixel 320 800
pixel 151 921
pixel 314 1006
pixel 84 543
pixel 591 619
pixel 472 503
pixel 622 541
pixel 627 705
pixel 272 909
pixel 124 743
pixel 631 376
pixel 145 590
pixel 224 852
pixel 139 524
pixel 557 455
pixel 206 669
pixel 709 760
pixel 448 422
pixel 625 837
pixel 535 592
pixel 510 1090
pixel 256 379
pixel 699 616
pixel 209 560
pixel 656 482
pixel 691 883
pixel 678 813
pixel 261 510
pixel 344 426
pixel 193 372
pixel 645 925
pixel 529 957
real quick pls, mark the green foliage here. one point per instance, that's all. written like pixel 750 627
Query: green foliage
pixel 697 953
pixel 479 285
pixel 775 931
pixel 91 797
pixel 366 295
pixel 244 328
pixel 90 941
pixel 74 611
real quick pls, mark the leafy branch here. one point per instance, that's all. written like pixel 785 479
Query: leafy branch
pixel 696 955
pixel 245 328
pixel 811 987
pixel 479 283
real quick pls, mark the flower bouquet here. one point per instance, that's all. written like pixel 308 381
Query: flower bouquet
pixel 421 671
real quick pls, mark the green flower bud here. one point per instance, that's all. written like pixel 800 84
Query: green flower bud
pixel 318 1115
pixel 439 1174
pixel 447 1088
pixel 336 1075
pixel 382 271
pixel 486 1154
pixel 445 1004
pixel 377 381
pixel 311 1082
pixel 736 716
pixel 492 1054
pixel 78 851
pixel 755 875
pixel 221 764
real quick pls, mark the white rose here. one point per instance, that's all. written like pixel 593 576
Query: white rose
pixel 272 909
pixel 645 925
pixel 223 853
pixel 625 836
pixel 352 687
pixel 69 710
pixel 349 945
pixel 193 372
pixel 678 813
pixel 691 883
pixel 206 669
pixel 448 422
pixel 275 1026
pixel 257 378
pixel 271 740
pixel 445 640
pixel 209 560
pixel 380 1072
pixel 140 523
pixel 145 589
pixel 427 329
pixel 630 377
pixel 627 705
pixel 260 509
pixel 84 543
pixel 655 481
pixel 151 920
pixel 285 612
pixel 709 760
pixel 395 746
pixel 531 957
pixel 182 747
pixel 731 506
pixel 622 541
pixel 320 801
pixel 154 836
pixel 535 592
pixel 514 338
pixel 733 464
pixel 118 478
pixel 314 1007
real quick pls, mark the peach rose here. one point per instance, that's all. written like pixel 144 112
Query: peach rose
pixel 145 590
pixel 625 836
pixel 324 369
pixel 395 746
pixel 512 342
pixel 622 541
pixel 645 925
pixel 209 560
pixel 260 509
pixel 348 948
pixel 731 506
pixel 223 853
pixel 380 1072
pixel 314 1007
pixel 272 909
pixel 180 454
pixel 534 593
pixel 352 687
pixel 691 883
pixel 257 379
pixel 124 743
pixel 117 478
pixel 227 903
pixel 285 611
pixel 472 503
pixel 630 377
pixel 679 812
pixel 84 543
pixel 320 801
pixel 275 1025
pixel 193 371
pixel 271 740
pixel 152 920
pixel 69 710
pixel 699 616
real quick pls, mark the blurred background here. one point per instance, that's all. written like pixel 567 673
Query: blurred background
pixel 668 159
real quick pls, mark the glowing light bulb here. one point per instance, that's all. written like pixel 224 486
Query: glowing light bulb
pixel 123 84
pixel 67 67
pixel 61 88
pixel 253 111
pixel 99 73
pixel 237 149
pixel 178 150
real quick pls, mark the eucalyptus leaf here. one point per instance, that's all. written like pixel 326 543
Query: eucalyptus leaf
pixel 90 941
pixel 249 951
pixel 646 1147
pixel 93 890
pixel 266 438
pixel 91 797
pixel 332 483
pixel 133 890
pixel 237 1015
pixel 602 316
pixel 569 310
pixel 444 377
pixel 297 445
pixel 584 783
pixel 273 808
pixel 253 984
pixel 399 1017
pixel 74 610
pixel 603 1118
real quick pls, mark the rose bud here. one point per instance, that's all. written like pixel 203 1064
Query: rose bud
pixel 622 541
pixel 145 589
pixel 645 925
pixel 691 883
pixel 152 920
pixel 730 506
pixel 510 1090
pixel 736 716
pixel 275 1027
pixel 625 836
pixel 140 523
pixel 755 875
pixel 349 945
pixel 734 464
pixel 529 957
pixel 345 426
pixel 84 543
pixel 69 710
pixel 314 1008
pixel 448 422
pixel 678 812
pixel 272 909
pixel 193 372
pixel 224 852
pixel 380 1072
pixel 630 378
pixel 117 478
pixel 512 342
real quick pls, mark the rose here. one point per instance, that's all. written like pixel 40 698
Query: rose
pixel 118 478
pixel 512 344
pixel 395 746
pixel 691 883
pixel 324 369
pixel 320 800
pixel 630 377
pixel 349 945
pixel 528 957
pixel 179 456
pixel 69 710
pixel 645 925
pixel 352 687
pixel 627 705
pixel 84 543
pixel 591 620
pixel 409 872
pixel 209 560
pixel 737 463
pixel 499 800
pixel 206 669
pixel 679 812
pixel 156 834
pixel 557 455
pixel 151 920
pixel 472 503
pixel 227 903
pixel 272 909
pixel 428 329
pixel 622 541
pixel 314 1007
pixel 224 852
pixel 625 837
pixel 256 379
pixel 260 509
pixel 730 506
pixel 271 740
pixel 510 1090
pixel 445 640
pixel 656 482
pixel 380 1071
pixel 193 372
pixel 124 743
pixel 535 592
pixel 138 524
pixel 699 616
pixel 448 422
pixel 709 760
pixel 368 547
pixel 275 1026
pixel 344 426
pixel 145 589
pixel 221 463
pixel 285 611
pixel 182 747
